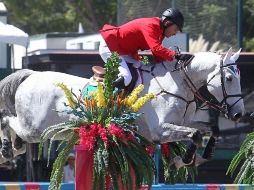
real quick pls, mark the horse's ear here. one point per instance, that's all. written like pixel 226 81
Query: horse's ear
pixel 234 57
pixel 227 57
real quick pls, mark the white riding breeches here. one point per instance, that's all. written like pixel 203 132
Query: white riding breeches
pixel 124 71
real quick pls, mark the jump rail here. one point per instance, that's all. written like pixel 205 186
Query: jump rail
pixel 71 186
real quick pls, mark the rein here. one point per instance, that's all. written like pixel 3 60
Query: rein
pixel 163 91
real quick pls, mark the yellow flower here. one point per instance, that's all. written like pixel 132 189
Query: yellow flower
pixel 134 95
pixel 101 102
pixel 68 94
pixel 141 101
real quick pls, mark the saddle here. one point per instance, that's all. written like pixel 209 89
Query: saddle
pixel 99 73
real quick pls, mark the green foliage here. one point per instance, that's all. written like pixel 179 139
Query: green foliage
pixel 249 44
pixel 215 25
pixel 245 160
pixel 111 72
pixel 123 158
pixel 248 17
pixel 36 17
pixel 145 60
pixel 248 25
pixel 62 129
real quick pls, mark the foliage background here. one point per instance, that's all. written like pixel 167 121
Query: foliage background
pixel 35 17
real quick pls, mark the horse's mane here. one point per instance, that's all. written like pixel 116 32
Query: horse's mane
pixel 8 88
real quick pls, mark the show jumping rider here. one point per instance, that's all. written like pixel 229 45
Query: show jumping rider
pixel 140 34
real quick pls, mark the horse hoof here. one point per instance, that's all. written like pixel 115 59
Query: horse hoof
pixel 7 149
pixel 7 154
pixel 178 162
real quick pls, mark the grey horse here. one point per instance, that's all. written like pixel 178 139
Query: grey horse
pixel 29 100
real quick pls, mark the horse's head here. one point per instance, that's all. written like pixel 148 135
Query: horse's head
pixel 224 85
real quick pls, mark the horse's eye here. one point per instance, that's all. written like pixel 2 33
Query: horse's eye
pixel 229 78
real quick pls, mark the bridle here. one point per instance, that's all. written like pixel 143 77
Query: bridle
pixel 222 106
pixel 225 107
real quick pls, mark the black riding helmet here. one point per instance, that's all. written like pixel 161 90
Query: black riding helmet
pixel 173 15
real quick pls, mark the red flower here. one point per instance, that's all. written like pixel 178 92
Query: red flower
pixel 114 129
pixel 94 129
pixel 150 150
pixel 103 134
pixel 83 130
pixel 87 136
pixel 87 142
pixel 165 150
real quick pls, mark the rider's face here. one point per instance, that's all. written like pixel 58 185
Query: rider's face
pixel 171 30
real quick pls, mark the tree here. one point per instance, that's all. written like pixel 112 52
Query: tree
pixel 248 25
pixel 34 16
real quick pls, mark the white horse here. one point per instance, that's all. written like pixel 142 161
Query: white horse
pixel 29 101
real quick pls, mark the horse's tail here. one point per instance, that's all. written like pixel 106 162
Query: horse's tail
pixel 8 88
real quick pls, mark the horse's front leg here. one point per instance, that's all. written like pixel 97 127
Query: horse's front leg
pixel 171 132
pixel 210 147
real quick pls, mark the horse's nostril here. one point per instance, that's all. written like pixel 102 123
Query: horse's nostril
pixel 237 116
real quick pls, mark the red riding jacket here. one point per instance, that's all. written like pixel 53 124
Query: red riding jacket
pixel 138 34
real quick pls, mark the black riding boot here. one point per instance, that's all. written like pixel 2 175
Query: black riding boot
pixel 119 83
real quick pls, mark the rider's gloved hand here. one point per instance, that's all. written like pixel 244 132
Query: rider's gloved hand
pixel 182 57
pixel 179 56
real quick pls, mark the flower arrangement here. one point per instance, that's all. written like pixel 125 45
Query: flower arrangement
pixel 105 126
